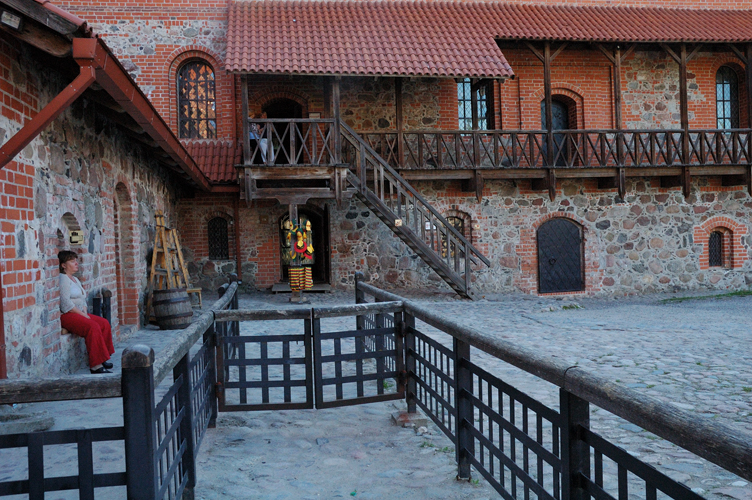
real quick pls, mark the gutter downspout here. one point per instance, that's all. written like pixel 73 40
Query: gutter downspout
pixel 19 141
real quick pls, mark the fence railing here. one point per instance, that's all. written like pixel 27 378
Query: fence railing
pixel 161 438
pixel 523 447
pixel 462 149
pixel 292 142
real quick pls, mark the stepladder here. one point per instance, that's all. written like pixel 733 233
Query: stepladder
pixel 168 269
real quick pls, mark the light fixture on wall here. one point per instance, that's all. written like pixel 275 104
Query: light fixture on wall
pixel 11 20
pixel 76 238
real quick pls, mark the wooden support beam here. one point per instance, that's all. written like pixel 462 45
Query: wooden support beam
pixel 684 108
pixel 474 184
pixel 337 116
pixel 327 97
pixel 400 121
pixel 619 181
pixel 247 160
pixel 549 103
pixel 552 183
pixel 748 71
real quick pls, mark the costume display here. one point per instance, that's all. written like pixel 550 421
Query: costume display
pixel 297 252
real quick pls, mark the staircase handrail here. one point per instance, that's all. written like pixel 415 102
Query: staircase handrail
pixel 355 139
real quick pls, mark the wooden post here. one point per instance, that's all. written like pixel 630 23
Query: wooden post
pixel 411 389
pixel 549 104
pixel 398 112
pixel 236 223
pixel 247 160
pixel 210 339
pixel 684 105
pixel 575 453
pixel 186 424
pixel 748 71
pixel 138 420
pixel 465 446
pixel 336 115
pixel 360 298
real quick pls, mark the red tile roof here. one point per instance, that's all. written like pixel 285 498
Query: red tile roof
pixel 622 24
pixel 216 158
pixel 442 38
pixel 361 38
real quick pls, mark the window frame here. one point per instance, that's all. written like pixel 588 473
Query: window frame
pixel 193 123
pixel 716 237
pixel 212 244
pixel 465 107
pixel 727 110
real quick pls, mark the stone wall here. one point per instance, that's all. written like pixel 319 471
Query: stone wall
pixel 79 174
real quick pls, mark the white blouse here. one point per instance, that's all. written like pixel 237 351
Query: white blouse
pixel 72 294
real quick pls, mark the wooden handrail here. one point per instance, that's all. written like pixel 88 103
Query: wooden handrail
pixel 70 387
pixel 724 445
pixel 357 142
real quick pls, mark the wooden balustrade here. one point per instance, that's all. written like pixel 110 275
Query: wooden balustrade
pixel 474 149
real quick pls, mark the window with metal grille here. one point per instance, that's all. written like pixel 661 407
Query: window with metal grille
pixel 465 103
pixel 459 224
pixel 197 107
pixel 219 248
pixel 727 98
pixel 715 249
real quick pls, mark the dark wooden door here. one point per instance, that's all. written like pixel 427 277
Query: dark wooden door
pixel 560 257
pixel 560 113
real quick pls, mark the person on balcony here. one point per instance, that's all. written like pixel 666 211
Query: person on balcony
pixel 258 133
pixel 96 331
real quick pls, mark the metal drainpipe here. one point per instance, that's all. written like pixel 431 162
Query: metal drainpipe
pixel 19 141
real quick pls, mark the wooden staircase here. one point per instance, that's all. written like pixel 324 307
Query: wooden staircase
pixel 409 216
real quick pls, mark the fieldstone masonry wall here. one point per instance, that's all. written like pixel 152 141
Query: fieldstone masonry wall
pixel 67 179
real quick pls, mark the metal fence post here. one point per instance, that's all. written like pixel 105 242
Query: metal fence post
pixel 465 446
pixel 575 453
pixel 138 407
pixel 411 392
pixel 186 425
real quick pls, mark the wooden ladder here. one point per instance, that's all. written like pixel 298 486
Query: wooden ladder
pixel 168 269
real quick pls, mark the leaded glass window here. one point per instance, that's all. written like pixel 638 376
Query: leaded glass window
pixel 197 106
pixel 459 224
pixel 727 98
pixel 219 248
pixel 715 249
pixel 465 102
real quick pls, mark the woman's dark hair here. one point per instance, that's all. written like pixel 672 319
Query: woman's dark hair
pixel 64 256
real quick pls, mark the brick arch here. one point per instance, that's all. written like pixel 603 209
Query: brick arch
pixel 258 100
pixel 230 232
pixel 735 64
pixel 224 87
pixel 573 96
pixel 467 219
pixel 126 246
pixel 735 252
pixel 527 253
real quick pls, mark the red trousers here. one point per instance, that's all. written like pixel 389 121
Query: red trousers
pixel 96 332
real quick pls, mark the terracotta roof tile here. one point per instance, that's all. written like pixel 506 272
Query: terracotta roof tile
pixel 359 38
pixel 442 38
pixel 216 158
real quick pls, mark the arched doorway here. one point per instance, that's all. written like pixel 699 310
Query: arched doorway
pixel 560 255
pixel 561 111
pixel 286 140
pixel 320 228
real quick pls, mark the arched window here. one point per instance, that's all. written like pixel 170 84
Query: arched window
pixel 715 249
pixel 727 98
pixel 465 103
pixel 219 248
pixel 459 224
pixel 197 107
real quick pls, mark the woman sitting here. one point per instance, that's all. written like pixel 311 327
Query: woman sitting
pixel 96 331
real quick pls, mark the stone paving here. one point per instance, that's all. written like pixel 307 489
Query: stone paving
pixel 694 354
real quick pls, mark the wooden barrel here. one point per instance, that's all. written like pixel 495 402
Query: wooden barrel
pixel 172 308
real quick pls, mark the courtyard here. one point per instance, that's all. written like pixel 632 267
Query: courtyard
pixel 689 351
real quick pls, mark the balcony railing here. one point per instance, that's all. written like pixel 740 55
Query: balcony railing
pixel 291 142
pixel 461 149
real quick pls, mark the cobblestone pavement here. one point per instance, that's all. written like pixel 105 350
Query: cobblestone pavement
pixel 694 354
